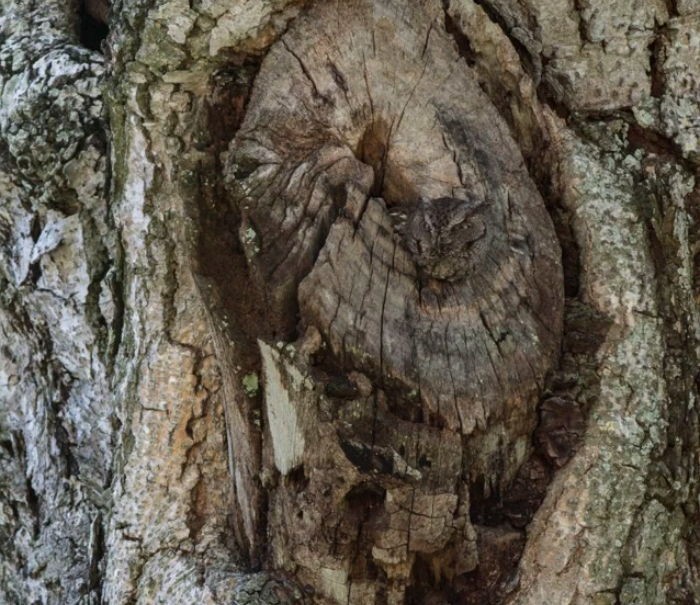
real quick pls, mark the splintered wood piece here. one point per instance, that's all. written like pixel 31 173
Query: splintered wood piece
pixel 359 492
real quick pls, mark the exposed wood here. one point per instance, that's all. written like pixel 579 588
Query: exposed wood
pixel 371 109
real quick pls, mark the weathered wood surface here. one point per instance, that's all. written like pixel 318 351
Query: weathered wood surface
pixel 475 351
pixel 358 111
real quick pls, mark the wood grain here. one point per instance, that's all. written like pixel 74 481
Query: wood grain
pixel 359 110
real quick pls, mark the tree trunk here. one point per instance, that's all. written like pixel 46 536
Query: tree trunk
pixel 368 302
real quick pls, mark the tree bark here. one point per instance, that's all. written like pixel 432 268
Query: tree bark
pixel 227 372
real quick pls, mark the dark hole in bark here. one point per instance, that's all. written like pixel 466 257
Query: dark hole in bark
pixel 585 329
pixel 93 23
pixel 364 568
pixel 526 492
pixel 693 206
pixel 654 143
pixel 221 255
pixel 570 257
pixel 18 441
pixel 365 497
pixel 116 423
pixel 297 478
pixel 363 501
pixel 230 91
pixel 484 509
pixel 570 254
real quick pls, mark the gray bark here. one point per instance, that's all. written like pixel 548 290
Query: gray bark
pixel 218 354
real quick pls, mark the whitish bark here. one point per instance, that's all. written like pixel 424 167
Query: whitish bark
pixel 218 355
pixel 60 309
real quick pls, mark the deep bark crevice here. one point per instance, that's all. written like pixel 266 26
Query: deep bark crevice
pixel 462 41
pixel 529 63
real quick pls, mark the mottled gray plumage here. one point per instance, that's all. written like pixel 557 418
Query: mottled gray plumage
pixel 446 236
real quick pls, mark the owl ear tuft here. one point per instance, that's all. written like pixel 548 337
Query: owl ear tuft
pixel 473 203
pixel 424 209
pixel 469 207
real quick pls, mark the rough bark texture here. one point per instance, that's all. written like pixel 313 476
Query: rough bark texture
pixel 219 355
pixel 60 309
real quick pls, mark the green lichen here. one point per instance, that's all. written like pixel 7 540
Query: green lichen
pixel 250 384
pixel 249 238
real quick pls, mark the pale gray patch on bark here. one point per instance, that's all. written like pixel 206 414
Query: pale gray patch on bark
pixel 59 318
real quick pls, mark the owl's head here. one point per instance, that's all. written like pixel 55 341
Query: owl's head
pixel 443 235
pixel 420 235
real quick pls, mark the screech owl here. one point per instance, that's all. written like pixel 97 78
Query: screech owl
pixel 446 236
